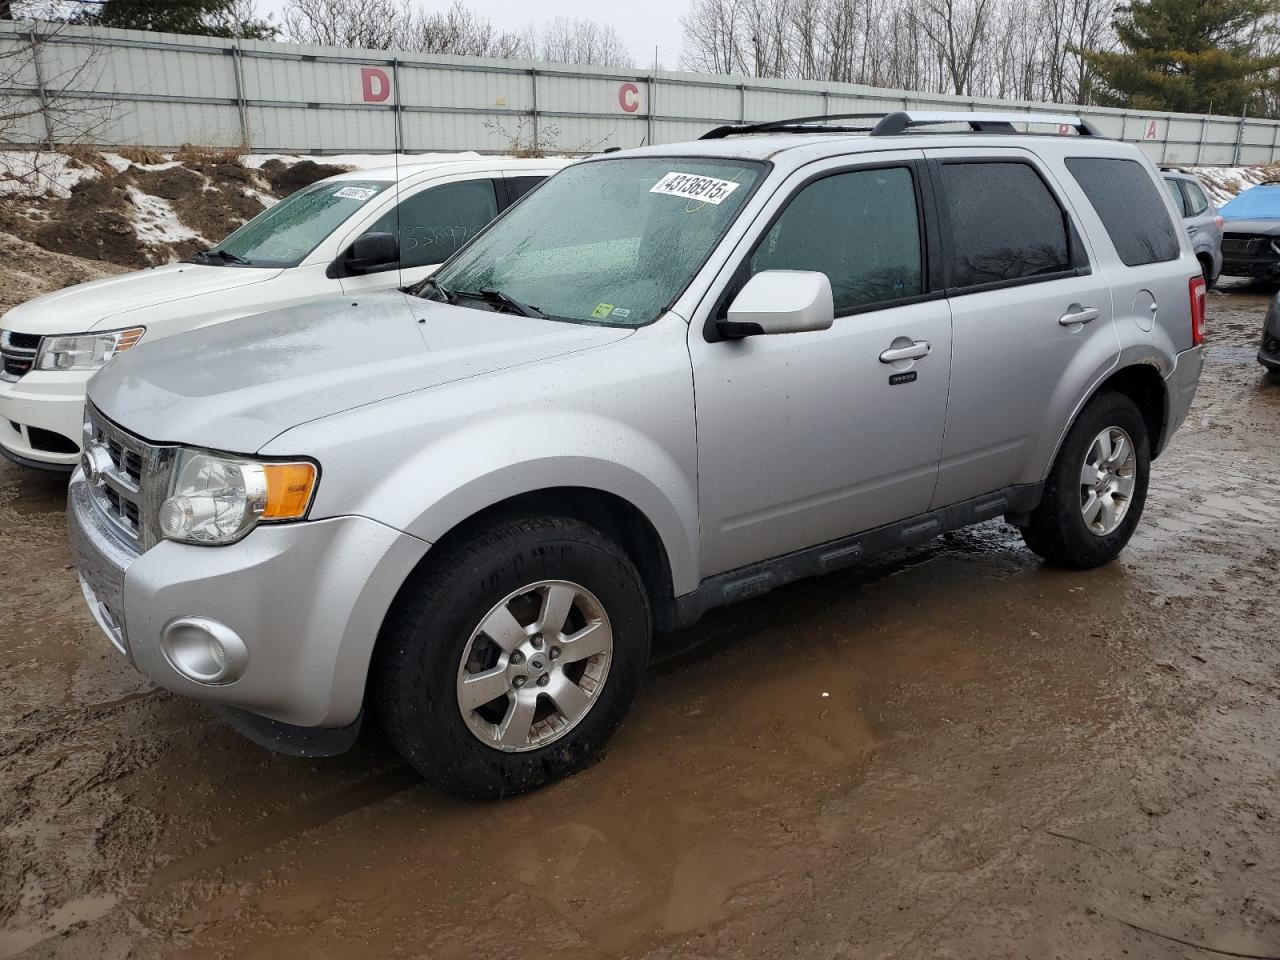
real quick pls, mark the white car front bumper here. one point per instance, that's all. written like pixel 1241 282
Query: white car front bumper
pixel 42 418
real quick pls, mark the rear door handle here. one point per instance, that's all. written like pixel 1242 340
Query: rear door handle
pixel 913 351
pixel 1084 315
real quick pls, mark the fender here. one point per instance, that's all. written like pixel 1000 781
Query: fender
pixel 505 458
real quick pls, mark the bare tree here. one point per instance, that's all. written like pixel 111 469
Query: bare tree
pixel 581 41
pixel 370 24
pixel 44 111
pixel 461 31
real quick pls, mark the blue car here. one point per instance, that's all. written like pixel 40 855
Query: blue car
pixel 1251 233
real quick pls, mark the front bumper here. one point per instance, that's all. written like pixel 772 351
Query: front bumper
pixel 307 599
pixel 40 404
pixel 1261 269
pixel 1180 388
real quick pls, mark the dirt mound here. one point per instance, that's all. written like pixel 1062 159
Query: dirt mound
pixel 31 271
pixel 286 178
pixel 138 214
pixel 95 222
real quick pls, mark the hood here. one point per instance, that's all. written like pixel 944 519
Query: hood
pixel 1252 226
pixel 86 306
pixel 234 386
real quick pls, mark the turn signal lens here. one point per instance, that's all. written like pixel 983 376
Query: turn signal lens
pixel 289 489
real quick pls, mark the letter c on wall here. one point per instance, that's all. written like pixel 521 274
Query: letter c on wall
pixel 629 97
pixel 374 84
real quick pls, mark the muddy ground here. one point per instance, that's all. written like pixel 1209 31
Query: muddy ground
pixel 956 752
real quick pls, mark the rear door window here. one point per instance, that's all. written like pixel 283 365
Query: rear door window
pixel 860 228
pixel 1197 202
pixel 1175 191
pixel 1130 208
pixel 1006 226
pixel 433 224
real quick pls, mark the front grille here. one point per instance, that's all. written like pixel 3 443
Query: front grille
pixel 132 476
pixel 17 354
pixel 1249 245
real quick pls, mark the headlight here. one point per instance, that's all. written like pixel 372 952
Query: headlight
pixel 217 499
pixel 85 351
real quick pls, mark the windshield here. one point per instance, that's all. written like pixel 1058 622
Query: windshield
pixel 283 234
pixel 609 241
pixel 1256 203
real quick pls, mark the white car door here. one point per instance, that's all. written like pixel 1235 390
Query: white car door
pixel 432 221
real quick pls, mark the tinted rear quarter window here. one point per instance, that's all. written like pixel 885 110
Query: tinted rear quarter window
pixel 1005 224
pixel 1130 208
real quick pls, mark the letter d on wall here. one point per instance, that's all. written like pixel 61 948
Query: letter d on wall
pixel 374 84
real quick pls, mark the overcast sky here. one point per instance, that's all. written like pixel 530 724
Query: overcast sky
pixel 642 23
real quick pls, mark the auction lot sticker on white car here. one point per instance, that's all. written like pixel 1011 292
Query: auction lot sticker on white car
pixel 354 193
pixel 691 186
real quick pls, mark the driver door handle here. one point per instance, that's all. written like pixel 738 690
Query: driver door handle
pixel 1084 315
pixel 914 351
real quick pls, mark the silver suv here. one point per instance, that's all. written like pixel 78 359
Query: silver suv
pixel 668 379
pixel 1200 217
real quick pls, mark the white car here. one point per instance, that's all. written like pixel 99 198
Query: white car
pixel 336 237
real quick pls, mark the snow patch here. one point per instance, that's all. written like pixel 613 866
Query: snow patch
pixel 1223 183
pixel 26 173
pixel 155 220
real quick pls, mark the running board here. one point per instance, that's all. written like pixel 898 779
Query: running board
pixel 759 578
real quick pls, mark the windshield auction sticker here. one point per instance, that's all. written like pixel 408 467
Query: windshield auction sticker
pixel 691 186
pixel 354 193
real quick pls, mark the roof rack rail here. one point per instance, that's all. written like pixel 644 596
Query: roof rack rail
pixel 893 124
pixel 795 125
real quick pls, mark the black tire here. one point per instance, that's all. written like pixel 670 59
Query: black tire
pixel 421 647
pixel 1206 267
pixel 1057 530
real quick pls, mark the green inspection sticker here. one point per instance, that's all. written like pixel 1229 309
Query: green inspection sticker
pixel 602 311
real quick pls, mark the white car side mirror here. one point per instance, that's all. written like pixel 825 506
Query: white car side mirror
pixel 780 301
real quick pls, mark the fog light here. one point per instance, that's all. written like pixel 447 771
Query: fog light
pixel 204 650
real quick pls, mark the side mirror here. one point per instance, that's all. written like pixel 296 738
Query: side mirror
pixel 780 301
pixel 373 251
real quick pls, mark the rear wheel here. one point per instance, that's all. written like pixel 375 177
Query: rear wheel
pixel 1097 488
pixel 1206 267
pixel 510 660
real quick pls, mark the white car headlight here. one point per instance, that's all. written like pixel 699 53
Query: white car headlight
pixel 216 499
pixel 85 351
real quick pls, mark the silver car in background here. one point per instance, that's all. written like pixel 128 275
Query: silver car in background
pixel 668 379
pixel 1200 217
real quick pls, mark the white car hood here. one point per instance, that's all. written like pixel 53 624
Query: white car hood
pixel 236 386
pixel 94 305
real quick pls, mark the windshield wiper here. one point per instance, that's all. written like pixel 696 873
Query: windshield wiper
pixel 225 255
pixel 495 296
pixel 441 289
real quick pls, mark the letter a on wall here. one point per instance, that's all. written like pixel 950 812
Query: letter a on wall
pixel 375 85
pixel 1150 132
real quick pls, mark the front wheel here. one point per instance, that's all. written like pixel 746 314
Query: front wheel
pixel 510 660
pixel 1097 488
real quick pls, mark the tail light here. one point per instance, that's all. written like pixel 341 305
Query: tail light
pixel 1196 290
pixel 1219 221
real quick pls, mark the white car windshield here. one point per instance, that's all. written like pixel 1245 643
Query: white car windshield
pixel 611 241
pixel 283 234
